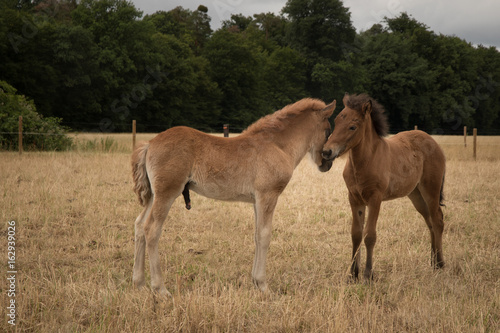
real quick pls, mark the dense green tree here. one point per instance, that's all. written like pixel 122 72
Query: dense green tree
pixel 398 78
pixel 237 23
pixel 98 64
pixel 273 26
pixel 184 93
pixel 318 28
pixel 452 65
pixel 456 72
pixel 28 63
pixel 404 24
pixel 234 64
pixel 263 72
pixel 485 97
pixel 333 79
pixel 124 59
pixel 285 77
pixel 191 27
pixel 200 22
pixel 75 61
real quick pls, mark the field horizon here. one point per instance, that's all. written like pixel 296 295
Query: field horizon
pixel 74 214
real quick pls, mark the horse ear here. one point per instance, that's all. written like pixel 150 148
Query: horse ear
pixel 328 110
pixel 346 97
pixel 367 107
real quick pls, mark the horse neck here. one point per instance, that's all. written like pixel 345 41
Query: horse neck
pixel 295 139
pixel 363 153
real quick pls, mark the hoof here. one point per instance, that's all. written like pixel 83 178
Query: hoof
pixel 164 293
pixel 139 283
pixel 354 271
pixel 438 265
pixel 262 285
pixel 263 288
pixel 369 277
pixel 161 292
pixel 352 279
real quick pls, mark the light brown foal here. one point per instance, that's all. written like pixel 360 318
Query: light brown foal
pixel 378 169
pixel 253 167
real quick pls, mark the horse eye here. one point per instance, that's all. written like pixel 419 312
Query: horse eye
pixel 352 128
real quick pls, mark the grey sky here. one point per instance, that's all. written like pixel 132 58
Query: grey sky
pixel 475 21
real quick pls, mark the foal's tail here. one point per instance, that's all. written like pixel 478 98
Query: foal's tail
pixel 142 186
pixel 441 194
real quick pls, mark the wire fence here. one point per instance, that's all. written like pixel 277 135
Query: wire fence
pixel 34 133
pixel 226 128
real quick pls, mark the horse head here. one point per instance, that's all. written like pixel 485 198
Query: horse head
pixel 321 137
pixel 349 129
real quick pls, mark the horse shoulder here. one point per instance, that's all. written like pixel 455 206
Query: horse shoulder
pixel 370 179
pixel 274 169
pixel 348 173
pixel 352 182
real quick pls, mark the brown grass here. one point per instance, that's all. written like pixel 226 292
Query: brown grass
pixel 75 238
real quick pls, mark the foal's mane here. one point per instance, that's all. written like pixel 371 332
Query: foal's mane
pixel 278 121
pixel 379 118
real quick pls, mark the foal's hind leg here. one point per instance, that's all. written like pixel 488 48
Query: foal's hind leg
pixel 152 230
pixel 140 246
pixel 434 220
pixel 438 227
pixel 421 206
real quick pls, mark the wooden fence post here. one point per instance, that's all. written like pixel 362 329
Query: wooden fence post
pixel 474 133
pixel 133 135
pixel 20 141
pixel 226 130
pixel 465 136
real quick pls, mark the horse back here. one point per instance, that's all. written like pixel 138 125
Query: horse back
pixel 416 143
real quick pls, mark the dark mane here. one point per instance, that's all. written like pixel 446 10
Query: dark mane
pixel 379 118
pixel 279 120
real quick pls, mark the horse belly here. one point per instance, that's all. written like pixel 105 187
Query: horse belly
pixel 225 192
pixel 399 190
pixel 402 183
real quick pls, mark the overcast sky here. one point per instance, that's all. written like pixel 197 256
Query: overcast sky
pixel 476 21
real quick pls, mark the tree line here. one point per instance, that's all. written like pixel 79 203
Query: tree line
pixel 98 64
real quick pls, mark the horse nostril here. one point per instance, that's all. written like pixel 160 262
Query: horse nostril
pixel 327 154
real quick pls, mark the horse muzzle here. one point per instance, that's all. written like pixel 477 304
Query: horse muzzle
pixel 325 165
pixel 329 155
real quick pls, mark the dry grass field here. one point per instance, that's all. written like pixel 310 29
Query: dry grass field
pixel 74 245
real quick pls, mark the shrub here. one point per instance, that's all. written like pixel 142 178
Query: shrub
pixel 39 133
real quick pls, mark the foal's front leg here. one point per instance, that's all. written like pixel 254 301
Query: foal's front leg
pixel 264 209
pixel 358 221
pixel 370 233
